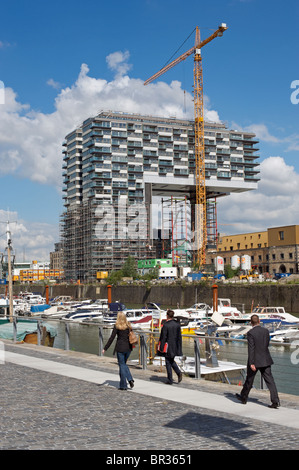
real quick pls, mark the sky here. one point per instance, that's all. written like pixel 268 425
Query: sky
pixel 64 61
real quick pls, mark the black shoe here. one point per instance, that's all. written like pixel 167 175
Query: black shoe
pixel 131 382
pixel 273 405
pixel 122 389
pixel 242 400
pixel 180 376
pixel 169 382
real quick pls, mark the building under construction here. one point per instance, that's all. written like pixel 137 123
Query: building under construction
pixel 120 170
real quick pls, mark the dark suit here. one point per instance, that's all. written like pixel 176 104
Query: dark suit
pixel 170 345
pixel 258 355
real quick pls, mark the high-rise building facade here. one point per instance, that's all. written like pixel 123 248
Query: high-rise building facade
pixel 114 166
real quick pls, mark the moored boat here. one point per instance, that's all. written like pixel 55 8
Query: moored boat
pixel 27 332
pixel 273 313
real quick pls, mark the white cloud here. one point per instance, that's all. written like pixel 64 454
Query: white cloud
pixel 31 141
pixel 260 130
pixel 31 147
pixel 274 204
pixel 33 240
pixel 4 44
pixel 52 83
pixel 117 61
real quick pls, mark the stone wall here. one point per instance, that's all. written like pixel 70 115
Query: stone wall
pixel 182 296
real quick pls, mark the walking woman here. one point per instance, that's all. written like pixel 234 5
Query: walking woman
pixel 122 348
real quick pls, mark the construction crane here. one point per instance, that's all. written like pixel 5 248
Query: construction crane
pixel 200 236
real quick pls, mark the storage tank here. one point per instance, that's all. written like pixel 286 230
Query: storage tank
pixel 246 263
pixel 235 262
pixel 219 264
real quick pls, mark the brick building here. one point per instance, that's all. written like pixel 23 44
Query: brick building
pixel 275 250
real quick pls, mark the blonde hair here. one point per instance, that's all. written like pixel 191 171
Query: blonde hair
pixel 122 322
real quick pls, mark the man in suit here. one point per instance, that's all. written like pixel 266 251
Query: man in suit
pixel 170 345
pixel 259 358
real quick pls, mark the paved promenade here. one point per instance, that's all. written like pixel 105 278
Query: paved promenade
pixel 53 400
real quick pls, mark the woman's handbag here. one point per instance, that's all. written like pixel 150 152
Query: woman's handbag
pixel 133 340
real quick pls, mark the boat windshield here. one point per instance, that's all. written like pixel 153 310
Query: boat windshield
pixel 224 302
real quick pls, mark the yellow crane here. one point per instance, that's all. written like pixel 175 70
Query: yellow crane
pixel 200 236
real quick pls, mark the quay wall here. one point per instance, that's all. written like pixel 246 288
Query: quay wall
pixel 178 295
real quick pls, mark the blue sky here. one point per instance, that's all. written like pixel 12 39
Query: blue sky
pixel 48 91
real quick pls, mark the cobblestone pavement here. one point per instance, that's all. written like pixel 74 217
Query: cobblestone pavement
pixel 48 411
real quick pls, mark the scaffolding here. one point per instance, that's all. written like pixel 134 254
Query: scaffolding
pixel 100 237
pixel 212 230
pixel 176 230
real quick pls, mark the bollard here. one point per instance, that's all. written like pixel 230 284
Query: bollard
pixel 15 329
pixel 101 341
pixel 67 336
pixel 215 298
pixel 143 352
pixel 109 295
pixel 47 295
pixel 197 358
pixel 39 332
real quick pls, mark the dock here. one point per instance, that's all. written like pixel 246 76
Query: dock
pixel 54 399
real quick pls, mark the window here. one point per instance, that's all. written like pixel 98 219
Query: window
pixel 291 255
pixel 273 256
pixel 281 235
pixel 281 255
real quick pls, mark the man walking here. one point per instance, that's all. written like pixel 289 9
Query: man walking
pixel 170 345
pixel 259 358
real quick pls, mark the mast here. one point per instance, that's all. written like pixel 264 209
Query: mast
pixel 9 249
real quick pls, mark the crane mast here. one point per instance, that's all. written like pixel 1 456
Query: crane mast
pixel 200 231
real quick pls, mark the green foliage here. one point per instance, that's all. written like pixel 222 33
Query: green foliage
pixel 128 270
pixel 230 272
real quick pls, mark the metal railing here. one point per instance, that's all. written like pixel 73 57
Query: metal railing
pixel 203 349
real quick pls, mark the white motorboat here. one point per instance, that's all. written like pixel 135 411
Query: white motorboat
pixel 139 318
pixel 226 309
pixel 87 312
pixel 61 300
pixel 204 311
pixel 31 298
pixel 157 312
pixel 199 311
pixel 160 314
pixel 273 313
pixel 285 334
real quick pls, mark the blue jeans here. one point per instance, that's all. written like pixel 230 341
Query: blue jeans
pixel 124 371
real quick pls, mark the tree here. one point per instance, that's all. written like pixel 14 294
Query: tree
pixel 129 268
pixel 230 272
